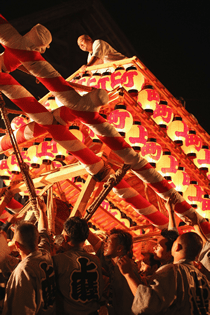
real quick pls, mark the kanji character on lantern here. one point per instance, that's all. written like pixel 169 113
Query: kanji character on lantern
pixel 137 136
pixel 105 81
pixel 13 164
pixel 51 103
pixel 167 165
pixel 116 77
pixel 94 80
pixel 192 144
pixel 163 114
pixel 202 160
pixel 46 151
pixel 152 151
pixel 194 195
pixel 181 180
pixel 132 79
pixel 121 119
pixel 4 170
pixel 177 130
pixel 148 99
pixel 18 122
pixel 35 160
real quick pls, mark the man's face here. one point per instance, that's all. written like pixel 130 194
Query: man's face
pixel 160 250
pixel 84 44
pixel 111 246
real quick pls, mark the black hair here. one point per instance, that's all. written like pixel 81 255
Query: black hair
pixel 76 229
pixel 192 243
pixel 171 236
pixel 125 239
pixel 28 235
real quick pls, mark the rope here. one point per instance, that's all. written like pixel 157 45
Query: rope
pixel 23 166
pixel 113 180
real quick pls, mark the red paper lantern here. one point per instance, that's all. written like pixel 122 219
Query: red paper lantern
pixel 177 130
pixel 167 165
pixel 152 151
pixel 163 114
pixel 84 79
pixel 137 136
pixel 121 119
pixel 192 144
pixel 132 79
pixel 148 99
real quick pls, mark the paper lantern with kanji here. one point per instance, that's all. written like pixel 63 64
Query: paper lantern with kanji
pixel 194 195
pixel 206 207
pixel 105 81
pixel 121 119
pixel 18 121
pixel 116 77
pixel 25 157
pixel 51 103
pixel 148 99
pixel 35 160
pixel 192 144
pixel 132 79
pixel 168 165
pixel 46 151
pixel 181 180
pixel 152 151
pixel 163 114
pixel 94 80
pixel 177 130
pixel 4 170
pixel 59 152
pixel 13 164
pixel 202 160
pixel 84 79
pixel 137 136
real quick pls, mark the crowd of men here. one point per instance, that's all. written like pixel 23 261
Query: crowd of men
pixel 45 275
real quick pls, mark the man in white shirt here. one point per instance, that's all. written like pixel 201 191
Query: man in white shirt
pixel 99 51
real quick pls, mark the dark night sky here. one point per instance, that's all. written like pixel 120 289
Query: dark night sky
pixel 171 38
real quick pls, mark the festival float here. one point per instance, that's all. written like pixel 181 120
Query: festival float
pixel 111 146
